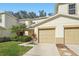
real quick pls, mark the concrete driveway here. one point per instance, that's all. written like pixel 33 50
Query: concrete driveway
pixel 43 50
pixel 74 47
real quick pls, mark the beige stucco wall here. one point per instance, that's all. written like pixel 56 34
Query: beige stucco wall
pixel 77 8
pixel 63 9
pixel 26 33
pixel 5 33
pixel 58 24
pixel 2 23
pixel 28 22
pixel 7 22
pixel 10 21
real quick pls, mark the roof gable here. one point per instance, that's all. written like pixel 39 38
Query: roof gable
pixel 54 17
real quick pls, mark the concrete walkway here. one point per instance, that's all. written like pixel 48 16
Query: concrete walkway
pixel 43 50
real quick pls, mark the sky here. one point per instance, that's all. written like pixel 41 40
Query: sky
pixel 47 7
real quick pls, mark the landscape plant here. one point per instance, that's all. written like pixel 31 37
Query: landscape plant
pixel 18 33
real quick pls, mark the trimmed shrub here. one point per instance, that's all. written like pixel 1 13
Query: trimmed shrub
pixel 29 38
pixel 13 37
pixel 5 39
pixel 23 38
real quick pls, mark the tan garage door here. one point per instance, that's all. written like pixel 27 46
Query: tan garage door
pixel 47 36
pixel 72 35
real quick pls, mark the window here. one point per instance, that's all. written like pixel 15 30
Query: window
pixel 0 18
pixel 71 8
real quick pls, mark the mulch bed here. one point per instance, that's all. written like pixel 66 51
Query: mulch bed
pixel 65 51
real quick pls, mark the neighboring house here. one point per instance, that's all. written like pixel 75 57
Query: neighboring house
pixel 6 22
pixel 28 22
pixel 62 28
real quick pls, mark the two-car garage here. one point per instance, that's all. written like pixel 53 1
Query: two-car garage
pixel 71 35
pixel 59 29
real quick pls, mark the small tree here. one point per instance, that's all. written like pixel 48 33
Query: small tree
pixel 42 13
pixel 18 32
pixel 18 29
pixel 50 14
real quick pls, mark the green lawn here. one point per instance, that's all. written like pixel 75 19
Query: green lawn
pixel 12 49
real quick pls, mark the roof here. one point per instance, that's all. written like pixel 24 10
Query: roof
pixel 29 19
pixel 54 17
pixel 39 18
pixel 62 3
pixel 8 14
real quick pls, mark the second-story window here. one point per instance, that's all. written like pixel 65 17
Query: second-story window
pixel 72 9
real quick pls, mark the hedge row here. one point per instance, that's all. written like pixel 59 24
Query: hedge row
pixel 16 38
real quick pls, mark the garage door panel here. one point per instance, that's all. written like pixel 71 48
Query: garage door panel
pixel 47 36
pixel 72 36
